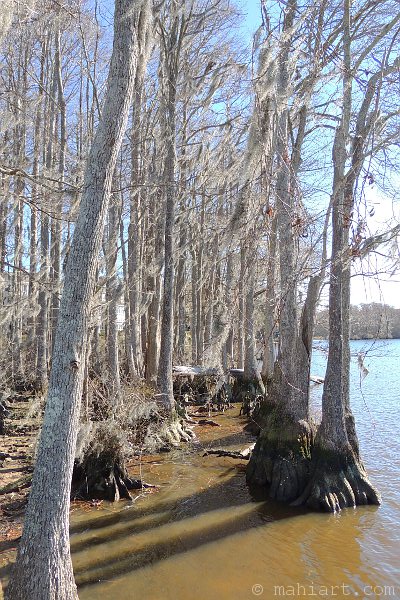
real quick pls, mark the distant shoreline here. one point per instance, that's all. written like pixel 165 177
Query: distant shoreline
pixel 360 339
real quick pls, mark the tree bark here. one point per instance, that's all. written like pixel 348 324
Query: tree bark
pixel 113 293
pixel 338 477
pixel 171 50
pixel 282 452
pixel 43 568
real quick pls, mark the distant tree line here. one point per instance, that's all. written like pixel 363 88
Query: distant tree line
pixel 367 321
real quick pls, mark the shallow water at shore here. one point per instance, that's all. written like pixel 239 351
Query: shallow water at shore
pixel 202 535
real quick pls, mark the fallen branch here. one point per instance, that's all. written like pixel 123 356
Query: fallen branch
pixel 17 486
pixel 240 454
pixel 208 422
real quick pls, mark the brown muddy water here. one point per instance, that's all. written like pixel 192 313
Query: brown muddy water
pixel 203 536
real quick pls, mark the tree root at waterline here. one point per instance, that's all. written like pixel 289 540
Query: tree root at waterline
pixel 169 434
pixel 281 458
pixel 338 480
pixel 103 477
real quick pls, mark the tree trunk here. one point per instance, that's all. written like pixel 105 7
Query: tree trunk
pixel 180 289
pixel 56 221
pixel 113 293
pixel 270 309
pixel 338 477
pixel 33 262
pixel 133 325
pixel 200 291
pixel 43 568
pixel 241 315
pixel 194 283
pixel 170 51
pixel 154 290
pixel 281 455
pixel 43 328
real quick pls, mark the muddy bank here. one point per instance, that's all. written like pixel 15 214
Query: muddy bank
pixel 16 467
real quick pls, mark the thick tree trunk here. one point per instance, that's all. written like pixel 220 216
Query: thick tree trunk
pixel 43 569
pixel 282 454
pixel 338 477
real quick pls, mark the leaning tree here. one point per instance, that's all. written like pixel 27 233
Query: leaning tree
pixel 43 568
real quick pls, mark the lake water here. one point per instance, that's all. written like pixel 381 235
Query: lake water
pixel 203 537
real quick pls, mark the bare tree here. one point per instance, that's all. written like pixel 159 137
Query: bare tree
pixel 339 478
pixel 45 539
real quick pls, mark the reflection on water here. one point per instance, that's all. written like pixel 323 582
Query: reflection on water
pixel 202 536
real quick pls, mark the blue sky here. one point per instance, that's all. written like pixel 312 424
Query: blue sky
pixel 252 20
pixel 364 288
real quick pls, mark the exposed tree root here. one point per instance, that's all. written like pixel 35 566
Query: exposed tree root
pixel 103 477
pixel 281 457
pixel 248 392
pixel 338 480
pixel 171 434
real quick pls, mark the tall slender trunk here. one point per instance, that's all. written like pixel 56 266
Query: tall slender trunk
pixel 166 348
pixel 4 194
pixel 270 308
pixel 154 251
pixel 241 312
pixel 58 205
pixel 227 351
pixel 19 135
pixel 180 288
pixel 127 337
pixel 136 212
pixel 45 539
pixel 33 258
pixel 193 288
pixel 113 293
pixel 200 290
pixel 43 353
pixel 249 342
